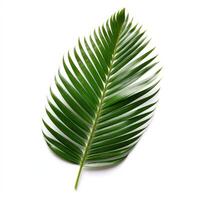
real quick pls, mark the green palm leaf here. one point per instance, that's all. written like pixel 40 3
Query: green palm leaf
pixel 105 96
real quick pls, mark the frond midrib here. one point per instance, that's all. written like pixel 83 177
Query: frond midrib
pixel 98 112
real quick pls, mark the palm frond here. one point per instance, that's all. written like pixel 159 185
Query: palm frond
pixel 106 96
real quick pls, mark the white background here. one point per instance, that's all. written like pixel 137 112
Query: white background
pixel 164 165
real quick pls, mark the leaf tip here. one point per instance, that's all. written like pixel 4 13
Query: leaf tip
pixel 121 15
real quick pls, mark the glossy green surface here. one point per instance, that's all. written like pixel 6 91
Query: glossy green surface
pixel 108 97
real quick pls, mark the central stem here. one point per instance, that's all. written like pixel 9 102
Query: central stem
pixel 92 131
pixel 91 134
